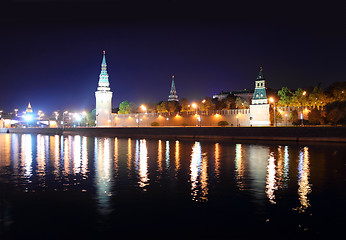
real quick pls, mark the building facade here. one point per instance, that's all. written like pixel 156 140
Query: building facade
pixel 103 97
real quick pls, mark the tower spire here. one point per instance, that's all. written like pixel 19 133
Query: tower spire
pixel 173 93
pixel 103 78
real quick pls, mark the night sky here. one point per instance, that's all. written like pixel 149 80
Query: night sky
pixel 51 51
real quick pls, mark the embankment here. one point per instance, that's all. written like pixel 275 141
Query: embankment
pixel 298 134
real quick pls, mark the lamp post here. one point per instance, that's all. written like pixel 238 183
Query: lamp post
pixel 144 109
pixel 301 114
pixel 194 105
pixel 273 101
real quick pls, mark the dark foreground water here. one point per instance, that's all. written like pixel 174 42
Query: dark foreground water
pixel 77 187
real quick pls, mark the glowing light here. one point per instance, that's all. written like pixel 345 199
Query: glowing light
pixel 143 164
pixel 77 117
pixel 194 105
pixel 28 118
pixel 271 180
pixel 304 93
pixel 143 107
pixel 271 99
pixel 239 167
pixel 203 101
pixel 303 179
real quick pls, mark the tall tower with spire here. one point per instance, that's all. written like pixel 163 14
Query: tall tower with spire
pixel 173 93
pixel 103 97
pixel 259 108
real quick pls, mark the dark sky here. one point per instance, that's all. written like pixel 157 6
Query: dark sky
pixel 51 51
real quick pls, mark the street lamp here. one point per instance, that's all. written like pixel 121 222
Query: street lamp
pixel 194 105
pixel 144 109
pixel 273 101
pixel 301 114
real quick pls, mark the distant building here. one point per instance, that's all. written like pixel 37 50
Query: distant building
pixel 246 94
pixel 103 97
pixel 173 93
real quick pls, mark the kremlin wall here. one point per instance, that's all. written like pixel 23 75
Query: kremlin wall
pixel 256 115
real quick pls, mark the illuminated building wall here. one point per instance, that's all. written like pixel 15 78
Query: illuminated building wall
pixel 234 117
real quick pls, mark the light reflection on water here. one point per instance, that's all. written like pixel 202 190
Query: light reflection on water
pixel 256 168
pixel 270 175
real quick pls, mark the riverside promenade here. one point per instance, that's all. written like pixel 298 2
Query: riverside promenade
pixel 297 134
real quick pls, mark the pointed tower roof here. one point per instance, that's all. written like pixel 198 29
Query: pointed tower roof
pixel 260 94
pixel 104 58
pixel 29 109
pixel 260 74
pixel 173 93
pixel 103 78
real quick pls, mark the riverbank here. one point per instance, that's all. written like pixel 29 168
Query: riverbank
pixel 297 134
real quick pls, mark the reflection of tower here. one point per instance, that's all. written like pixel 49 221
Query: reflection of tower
pixel 103 97
pixel 173 93
pixel 259 108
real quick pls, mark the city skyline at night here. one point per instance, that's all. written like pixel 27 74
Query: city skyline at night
pixel 51 56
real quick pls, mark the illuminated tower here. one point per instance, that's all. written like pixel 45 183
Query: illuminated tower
pixel 259 108
pixel 173 93
pixel 103 97
pixel 29 109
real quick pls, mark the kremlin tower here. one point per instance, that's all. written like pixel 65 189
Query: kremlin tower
pixel 173 93
pixel 103 97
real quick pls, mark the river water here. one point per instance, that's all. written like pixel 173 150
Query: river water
pixel 78 187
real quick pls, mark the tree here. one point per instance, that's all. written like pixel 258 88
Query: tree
pixel 223 123
pixel 298 98
pixel 226 103
pixel 278 116
pixel 207 104
pixel 293 116
pixel 336 112
pixel 91 118
pixel 241 103
pixel 125 107
pixel 317 98
pixel 173 106
pixel 315 117
pixel 337 91
pixel 184 105
pixel 162 107
pixel 285 96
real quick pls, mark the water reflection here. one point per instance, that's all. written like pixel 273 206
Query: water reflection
pixel 167 154
pixel 257 169
pixel 177 156
pixel 103 173
pixel 303 179
pixel 27 154
pixel 199 175
pixel 217 160
pixel 159 156
pixel 143 163
pixel 239 166
pixel 271 179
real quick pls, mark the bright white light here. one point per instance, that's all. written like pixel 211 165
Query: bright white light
pixel 77 117
pixel 28 118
